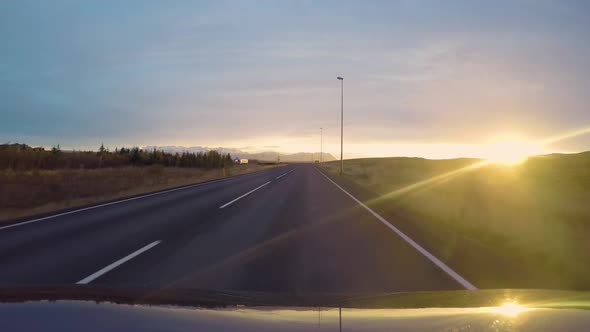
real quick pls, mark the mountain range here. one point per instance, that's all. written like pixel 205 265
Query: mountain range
pixel 236 153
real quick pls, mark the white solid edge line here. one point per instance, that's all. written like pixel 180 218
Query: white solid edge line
pixel 115 202
pixel 411 242
pixel 280 176
pixel 109 267
pixel 244 195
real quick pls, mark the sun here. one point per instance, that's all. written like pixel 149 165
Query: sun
pixel 510 309
pixel 510 150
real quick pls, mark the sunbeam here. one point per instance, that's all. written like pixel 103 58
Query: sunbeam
pixel 571 134
pixel 430 181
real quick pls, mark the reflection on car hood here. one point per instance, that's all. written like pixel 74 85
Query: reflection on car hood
pixel 69 308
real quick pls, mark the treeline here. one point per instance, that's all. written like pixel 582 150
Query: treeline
pixel 23 157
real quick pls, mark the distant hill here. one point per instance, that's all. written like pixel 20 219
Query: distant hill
pixel 19 147
pixel 194 149
pixel 532 218
pixel 305 157
pixel 235 153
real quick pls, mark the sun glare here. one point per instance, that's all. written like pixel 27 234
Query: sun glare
pixel 510 309
pixel 510 150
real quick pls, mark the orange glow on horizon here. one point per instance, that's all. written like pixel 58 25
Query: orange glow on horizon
pixel 507 149
pixel 510 150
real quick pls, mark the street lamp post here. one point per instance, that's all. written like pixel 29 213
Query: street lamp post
pixel 341 123
pixel 321 145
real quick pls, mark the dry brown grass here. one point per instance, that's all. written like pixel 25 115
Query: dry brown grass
pixel 33 192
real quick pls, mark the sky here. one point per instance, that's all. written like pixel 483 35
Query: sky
pixel 434 79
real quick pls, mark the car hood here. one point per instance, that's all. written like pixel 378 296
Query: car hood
pixel 100 308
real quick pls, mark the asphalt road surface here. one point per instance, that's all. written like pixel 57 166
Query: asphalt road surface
pixel 288 229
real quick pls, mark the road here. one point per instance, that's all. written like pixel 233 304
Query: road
pixel 287 229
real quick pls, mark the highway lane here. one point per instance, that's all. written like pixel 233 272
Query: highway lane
pixel 295 232
pixel 67 248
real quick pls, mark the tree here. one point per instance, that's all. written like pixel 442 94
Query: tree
pixel 56 150
pixel 135 157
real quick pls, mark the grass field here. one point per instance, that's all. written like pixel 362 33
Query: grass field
pixel 500 226
pixel 25 193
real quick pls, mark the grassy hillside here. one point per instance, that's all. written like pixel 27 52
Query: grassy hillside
pixel 524 225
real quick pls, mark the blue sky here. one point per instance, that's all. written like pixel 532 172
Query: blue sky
pixel 427 78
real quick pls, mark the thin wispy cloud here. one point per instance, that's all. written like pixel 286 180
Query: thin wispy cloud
pixel 263 74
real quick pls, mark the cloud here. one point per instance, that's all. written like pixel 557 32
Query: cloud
pixel 213 73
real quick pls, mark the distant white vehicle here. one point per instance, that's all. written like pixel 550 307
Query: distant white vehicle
pixel 243 161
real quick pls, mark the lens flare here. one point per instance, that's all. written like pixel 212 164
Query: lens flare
pixel 567 135
pixel 510 309
pixel 510 150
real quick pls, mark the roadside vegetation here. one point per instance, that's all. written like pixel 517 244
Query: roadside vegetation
pixel 499 226
pixel 35 181
pixel 21 157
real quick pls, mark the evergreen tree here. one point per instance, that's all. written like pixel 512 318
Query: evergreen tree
pixel 135 155
pixel 101 150
pixel 56 150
